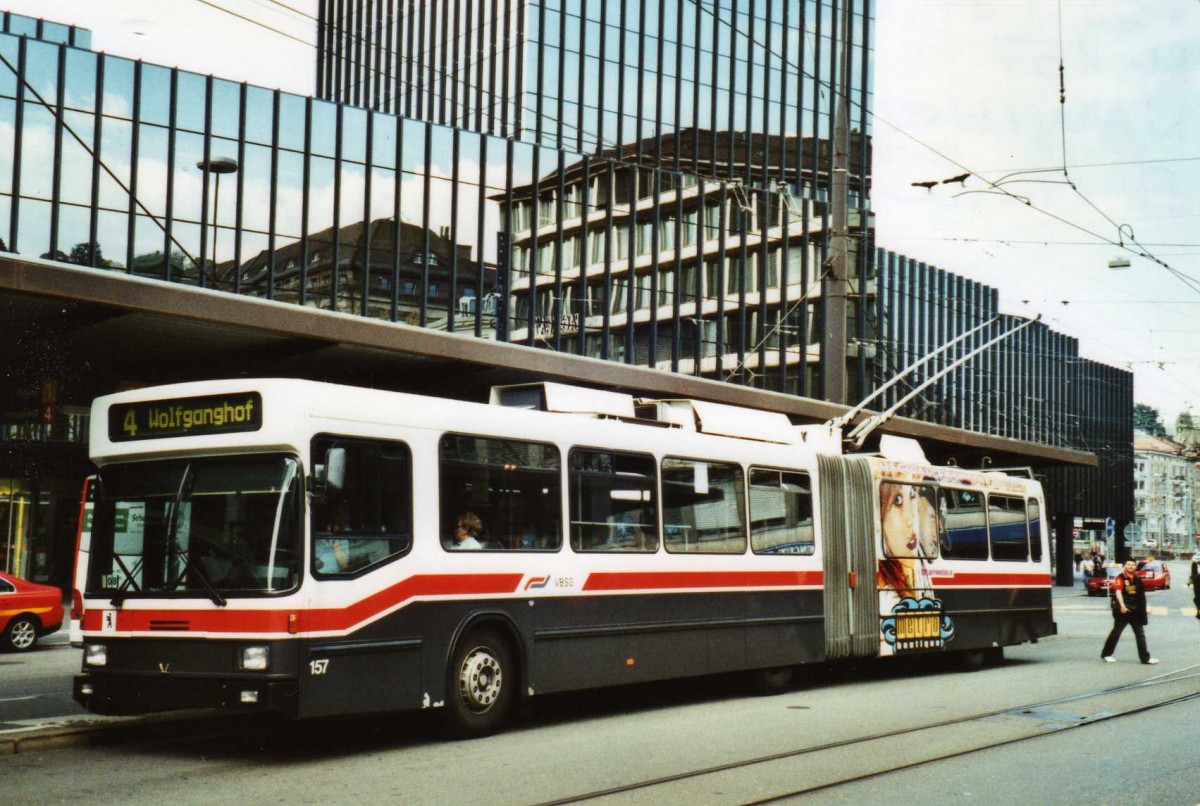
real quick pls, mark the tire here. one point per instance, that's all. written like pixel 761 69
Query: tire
pixel 768 682
pixel 21 634
pixel 972 660
pixel 481 684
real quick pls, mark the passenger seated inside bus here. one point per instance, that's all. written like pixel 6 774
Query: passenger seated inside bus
pixel 333 553
pixel 468 528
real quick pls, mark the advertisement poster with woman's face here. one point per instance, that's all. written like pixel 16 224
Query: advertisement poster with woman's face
pixel 910 528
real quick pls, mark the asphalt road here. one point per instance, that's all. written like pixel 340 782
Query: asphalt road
pixel 37 684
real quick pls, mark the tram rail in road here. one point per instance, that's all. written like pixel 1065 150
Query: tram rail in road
pixel 817 768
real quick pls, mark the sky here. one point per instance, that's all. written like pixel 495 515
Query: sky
pixel 960 86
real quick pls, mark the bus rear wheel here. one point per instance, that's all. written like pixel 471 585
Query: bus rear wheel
pixel 480 686
pixel 972 660
pixel 769 682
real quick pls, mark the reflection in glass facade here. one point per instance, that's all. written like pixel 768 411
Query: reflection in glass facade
pixel 590 76
pixel 671 164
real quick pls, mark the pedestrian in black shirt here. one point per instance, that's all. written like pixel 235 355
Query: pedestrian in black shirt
pixel 1129 608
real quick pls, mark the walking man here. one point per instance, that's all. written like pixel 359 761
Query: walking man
pixel 1129 608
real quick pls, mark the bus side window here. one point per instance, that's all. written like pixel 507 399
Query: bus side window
pixel 1035 531
pixel 513 486
pixel 612 501
pixel 369 520
pixel 703 507
pixel 1008 528
pixel 965 534
pixel 781 512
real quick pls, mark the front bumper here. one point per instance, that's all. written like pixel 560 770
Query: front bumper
pixel 128 694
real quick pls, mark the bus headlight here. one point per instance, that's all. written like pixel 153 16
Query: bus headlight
pixel 95 655
pixel 256 658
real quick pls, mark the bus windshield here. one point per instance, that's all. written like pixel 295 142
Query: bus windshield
pixel 211 527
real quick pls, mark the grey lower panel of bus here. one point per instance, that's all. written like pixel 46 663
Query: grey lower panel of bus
pixel 848 529
pixel 998 616
pixel 643 638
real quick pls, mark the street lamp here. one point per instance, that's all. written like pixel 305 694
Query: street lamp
pixel 217 166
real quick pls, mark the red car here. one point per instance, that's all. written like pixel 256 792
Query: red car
pixel 1155 575
pixel 1100 584
pixel 27 612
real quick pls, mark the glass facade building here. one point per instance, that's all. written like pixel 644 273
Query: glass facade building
pixel 1033 387
pixel 639 182
pixel 680 156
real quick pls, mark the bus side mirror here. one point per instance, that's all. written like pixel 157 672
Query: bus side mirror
pixel 332 474
pixel 335 469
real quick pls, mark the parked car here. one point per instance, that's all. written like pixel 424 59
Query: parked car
pixel 1155 575
pixel 1100 584
pixel 28 611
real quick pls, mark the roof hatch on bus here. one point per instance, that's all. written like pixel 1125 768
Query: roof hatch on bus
pixel 717 418
pixel 563 398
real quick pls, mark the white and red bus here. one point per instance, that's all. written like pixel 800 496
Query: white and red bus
pixel 293 546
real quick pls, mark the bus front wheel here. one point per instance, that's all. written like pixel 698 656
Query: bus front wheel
pixel 480 685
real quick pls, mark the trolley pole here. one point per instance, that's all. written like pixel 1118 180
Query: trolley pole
pixel 837 271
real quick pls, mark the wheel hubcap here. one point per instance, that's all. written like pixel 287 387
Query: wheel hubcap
pixel 480 680
pixel 23 635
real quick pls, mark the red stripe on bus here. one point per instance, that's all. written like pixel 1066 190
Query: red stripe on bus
pixel 670 580
pixel 1000 580
pixel 341 618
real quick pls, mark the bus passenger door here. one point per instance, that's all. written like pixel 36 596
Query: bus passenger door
pixel 848 551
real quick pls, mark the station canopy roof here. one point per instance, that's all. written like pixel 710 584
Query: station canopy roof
pixel 103 330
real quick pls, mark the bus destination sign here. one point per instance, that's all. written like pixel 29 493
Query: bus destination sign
pixel 185 417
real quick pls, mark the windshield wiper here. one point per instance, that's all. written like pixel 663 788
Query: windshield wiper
pixel 176 506
pixel 130 577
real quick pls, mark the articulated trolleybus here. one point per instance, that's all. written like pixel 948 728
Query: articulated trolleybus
pixel 310 549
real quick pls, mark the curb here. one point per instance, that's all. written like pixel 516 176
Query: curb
pixel 122 729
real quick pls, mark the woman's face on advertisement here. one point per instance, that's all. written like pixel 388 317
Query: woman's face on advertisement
pixel 927 525
pixel 909 521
